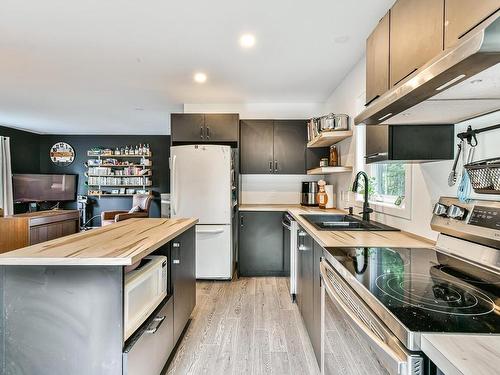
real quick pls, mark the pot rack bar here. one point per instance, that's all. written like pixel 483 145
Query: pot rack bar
pixel 470 134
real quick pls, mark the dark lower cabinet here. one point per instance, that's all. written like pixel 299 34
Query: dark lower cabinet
pixel 261 244
pixel 183 263
pixel 316 330
pixel 309 288
pixel 305 283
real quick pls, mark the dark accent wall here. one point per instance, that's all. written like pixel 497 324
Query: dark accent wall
pixel 23 149
pixel 160 149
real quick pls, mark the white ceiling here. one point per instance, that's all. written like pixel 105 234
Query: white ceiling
pixel 121 66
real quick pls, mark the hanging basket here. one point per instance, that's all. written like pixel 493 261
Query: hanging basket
pixel 485 175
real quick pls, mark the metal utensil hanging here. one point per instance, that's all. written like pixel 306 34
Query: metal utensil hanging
pixel 452 178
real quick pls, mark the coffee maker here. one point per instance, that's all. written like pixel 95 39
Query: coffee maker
pixel 308 194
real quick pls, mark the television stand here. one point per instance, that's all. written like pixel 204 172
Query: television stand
pixel 27 229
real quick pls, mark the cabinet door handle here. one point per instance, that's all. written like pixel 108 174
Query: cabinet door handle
pixel 241 221
pixel 276 166
pixel 270 166
pixel 208 132
pixel 176 261
pixel 201 132
pixel 176 244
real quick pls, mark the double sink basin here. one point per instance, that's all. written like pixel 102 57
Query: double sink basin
pixel 345 223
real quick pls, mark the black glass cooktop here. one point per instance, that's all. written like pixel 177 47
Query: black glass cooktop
pixel 426 290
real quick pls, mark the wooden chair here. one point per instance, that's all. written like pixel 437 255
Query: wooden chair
pixel 143 201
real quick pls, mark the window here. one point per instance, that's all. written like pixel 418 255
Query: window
pixel 388 183
pixel 389 188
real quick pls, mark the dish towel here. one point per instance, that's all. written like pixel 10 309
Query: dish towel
pixel 6 199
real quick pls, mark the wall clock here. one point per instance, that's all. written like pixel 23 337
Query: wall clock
pixel 62 154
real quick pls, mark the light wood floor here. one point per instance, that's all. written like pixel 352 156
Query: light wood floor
pixel 246 326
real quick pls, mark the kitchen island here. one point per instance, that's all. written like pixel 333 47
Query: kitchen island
pixel 62 301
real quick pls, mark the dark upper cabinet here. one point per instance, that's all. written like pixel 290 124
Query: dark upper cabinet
pixel 221 127
pixel 290 139
pixel 261 244
pixel 199 127
pixel 187 127
pixel 409 143
pixel 256 147
pixel 416 36
pixel 273 146
pixel 377 61
pixel 461 16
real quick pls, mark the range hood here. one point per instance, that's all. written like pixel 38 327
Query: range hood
pixel 461 83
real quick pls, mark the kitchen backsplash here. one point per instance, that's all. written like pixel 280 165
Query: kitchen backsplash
pixel 272 189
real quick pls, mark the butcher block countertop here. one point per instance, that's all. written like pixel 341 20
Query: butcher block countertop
pixel 118 244
pixel 457 354
pixel 343 238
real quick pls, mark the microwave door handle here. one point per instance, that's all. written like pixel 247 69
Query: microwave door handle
pixel 155 324
pixel 375 342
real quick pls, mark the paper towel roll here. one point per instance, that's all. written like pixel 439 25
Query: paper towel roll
pixel 332 197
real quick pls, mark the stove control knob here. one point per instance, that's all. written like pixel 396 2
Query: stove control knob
pixel 456 212
pixel 440 209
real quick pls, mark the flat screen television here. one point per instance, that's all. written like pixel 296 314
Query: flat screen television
pixel 44 187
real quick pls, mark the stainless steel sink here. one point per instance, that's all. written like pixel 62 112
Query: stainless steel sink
pixel 345 222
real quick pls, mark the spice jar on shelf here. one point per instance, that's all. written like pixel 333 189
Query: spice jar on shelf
pixel 334 156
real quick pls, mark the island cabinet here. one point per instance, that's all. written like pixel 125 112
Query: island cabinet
pixel 183 279
pixel 70 319
pixel 462 16
pixel 261 239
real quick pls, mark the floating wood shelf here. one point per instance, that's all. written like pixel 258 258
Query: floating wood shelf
pixel 112 195
pixel 327 139
pixel 119 166
pixel 329 170
pixel 132 186
pixel 118 175
pixel 119 156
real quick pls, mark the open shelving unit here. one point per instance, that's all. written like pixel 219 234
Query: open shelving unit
pixel 328 170
pixel 99 187
pixel 326 139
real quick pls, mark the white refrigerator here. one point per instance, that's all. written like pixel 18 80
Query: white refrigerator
pixel 201 185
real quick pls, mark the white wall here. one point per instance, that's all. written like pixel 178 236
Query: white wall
pixel 260 110
pixel 429 180
pixel 266 189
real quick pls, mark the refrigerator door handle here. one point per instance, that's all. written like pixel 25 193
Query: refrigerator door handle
pixel 174 190
pixel 211 231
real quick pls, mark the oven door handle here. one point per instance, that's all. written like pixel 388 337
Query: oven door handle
pixel 399 361
pixel 286 225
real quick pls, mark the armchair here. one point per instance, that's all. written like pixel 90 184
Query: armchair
pixel 143 201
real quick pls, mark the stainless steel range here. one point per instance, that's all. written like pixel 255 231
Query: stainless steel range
pixel 387 297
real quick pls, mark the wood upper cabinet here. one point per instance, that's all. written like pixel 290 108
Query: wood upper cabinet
pixel 199 127
pixel 416 36
pixel 290 139
pixel 461 16
pixel 377 60
pixel 273 146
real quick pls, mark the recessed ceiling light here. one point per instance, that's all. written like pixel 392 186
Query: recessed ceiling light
pixel 247 40
pixel 200 77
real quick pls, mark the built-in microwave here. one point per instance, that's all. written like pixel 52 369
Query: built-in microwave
pixel 145 288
